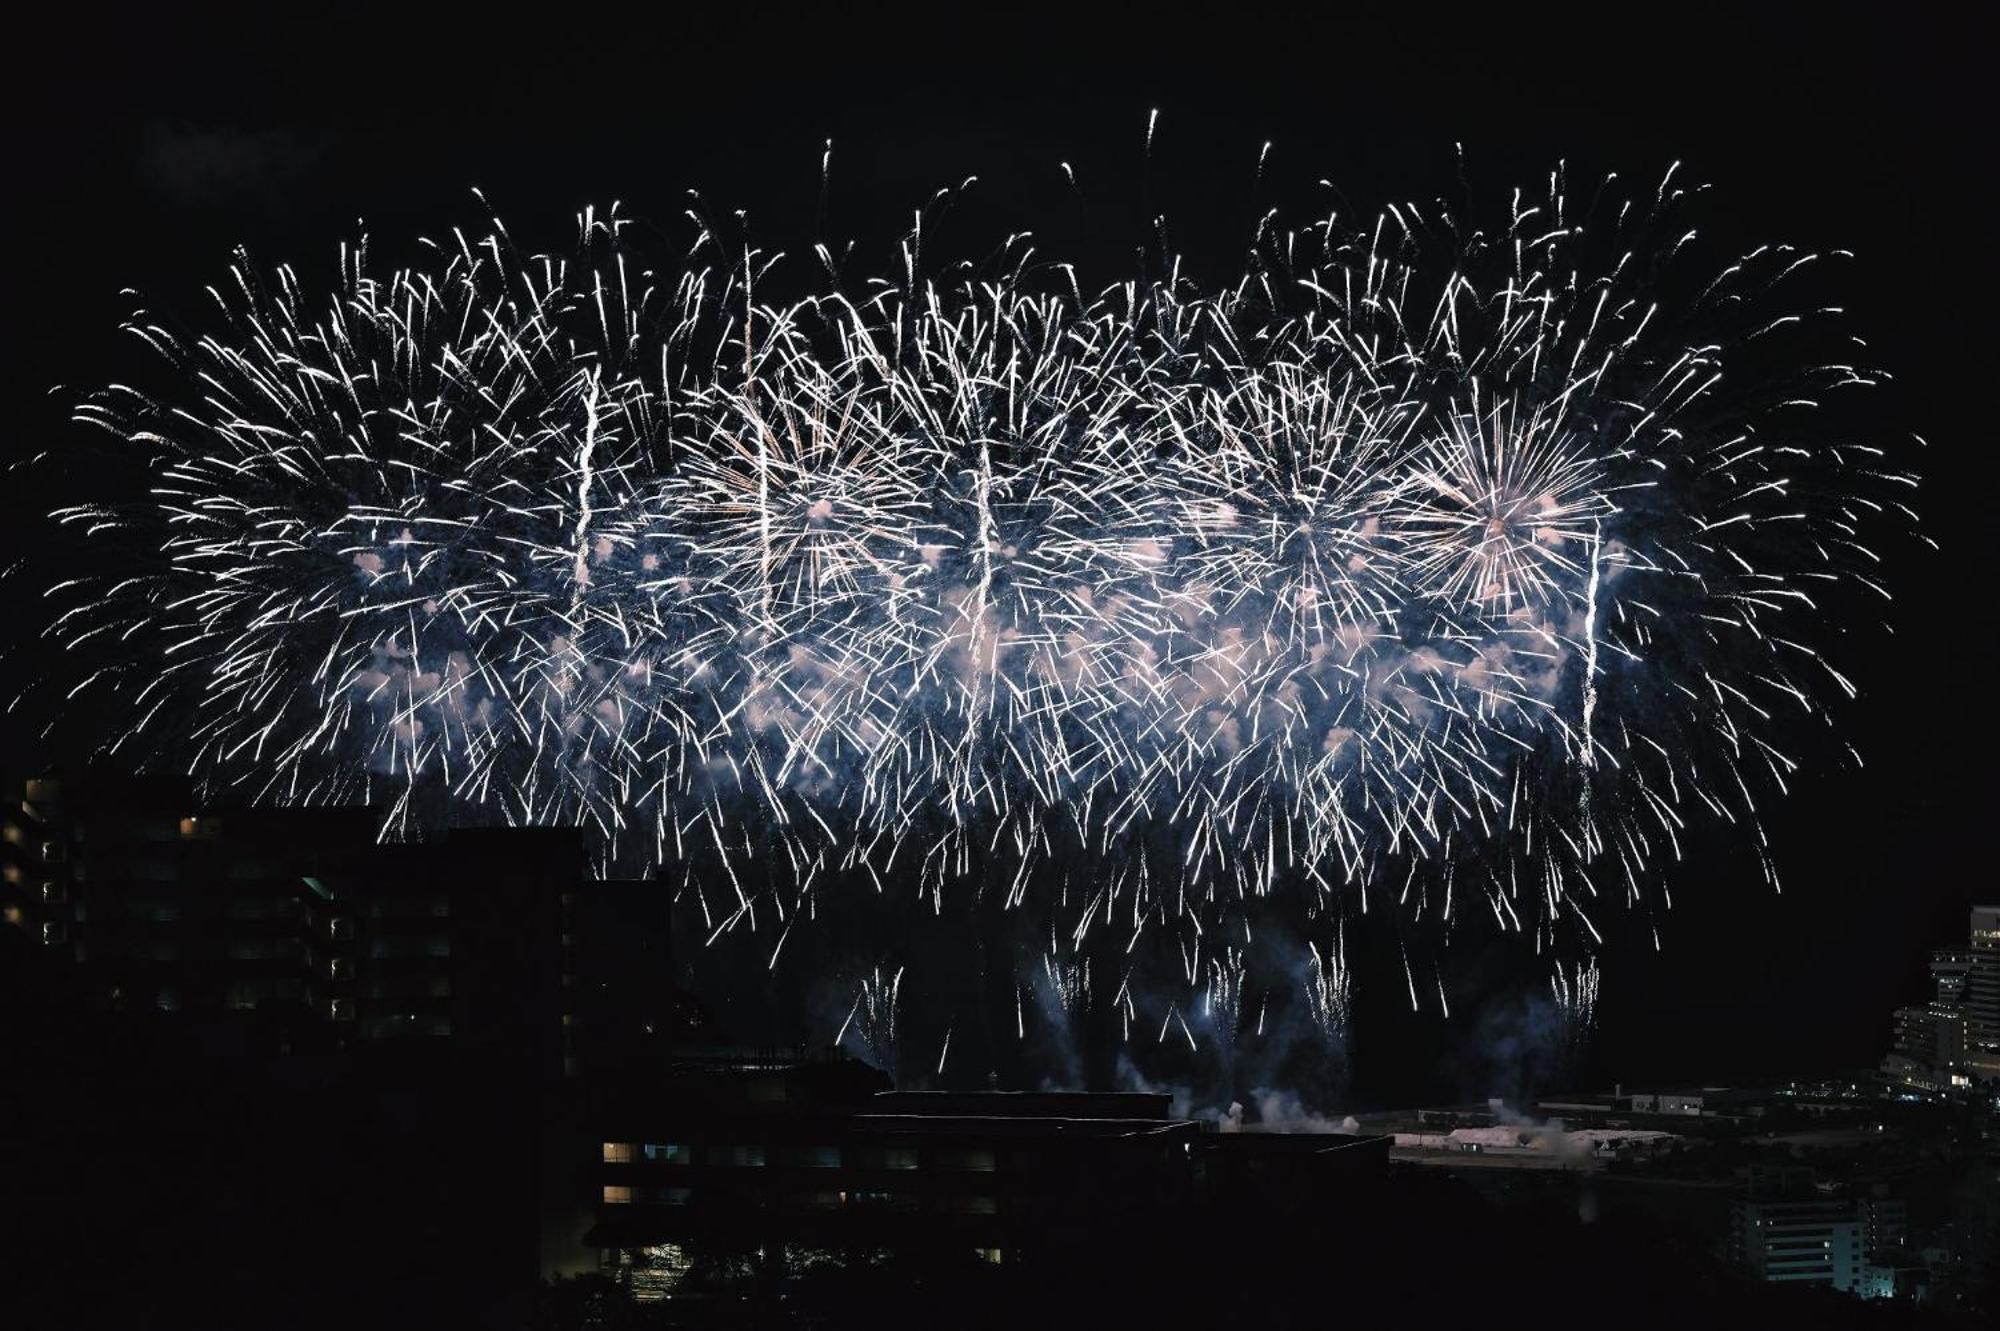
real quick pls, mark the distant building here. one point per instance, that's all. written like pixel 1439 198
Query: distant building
pixel 1885 1223
pixel 497 939
pixel 1982 995
pixel 1668 1102
pixel 1800 1241
pixel 1550 1145
pixel 789 1165
pixel 1787 1231
pixel 1897 1275
pixel 161 904
pixel 1949 973
pixel 461 938
pixel 1953 1040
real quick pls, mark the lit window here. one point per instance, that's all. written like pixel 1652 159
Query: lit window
pixel 885 1201
pixel 617 1194
pixel 666 1153
pixel 619 1153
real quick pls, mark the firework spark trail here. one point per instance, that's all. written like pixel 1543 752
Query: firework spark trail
pixel 1588 750
pixel 580 575
pixel 1328 986
pixel 1221 999
pixel 1066 979
pixel 1587 745
pixel 875 1007
pixel 1425 559
pixel 1575 991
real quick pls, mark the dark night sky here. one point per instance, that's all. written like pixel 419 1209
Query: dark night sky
pixel 147 145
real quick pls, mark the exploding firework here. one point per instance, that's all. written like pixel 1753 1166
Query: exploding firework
pixel 1067 982
pixel 1427 562
pixel 1221 998
pixel 873 1017
pixel 1575 991
pixel 1328 986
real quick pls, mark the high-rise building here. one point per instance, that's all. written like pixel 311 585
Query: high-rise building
pixel 1982 995
pixel 160 903
pixel 497 939
pixel 1954 1039
pixel 1949 969
pixel 461 937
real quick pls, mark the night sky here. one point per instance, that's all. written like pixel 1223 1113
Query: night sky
pixel 144 151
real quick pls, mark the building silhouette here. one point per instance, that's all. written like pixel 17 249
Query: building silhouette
pixel 496 939
pixel 1982 995
pixel 1953 1040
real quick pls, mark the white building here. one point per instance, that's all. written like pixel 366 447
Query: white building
pixel 1814 1241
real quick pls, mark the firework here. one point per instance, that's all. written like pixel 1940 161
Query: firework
pixel 1574 989
pixel 873 1017
pixel 1328 985
pixel 1440 564
pixel 1221 998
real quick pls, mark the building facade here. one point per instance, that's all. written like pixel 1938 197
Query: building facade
pixel 497 939
pixel 735 1168
pixel 1953 1040
pixel 1800 1241
pixel 1982 995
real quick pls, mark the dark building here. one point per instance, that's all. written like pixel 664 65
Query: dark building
pixel 1982 995
pixel 462 938
pixel 1953 1040
pixel 624 1010
pixel 1815 1240
pixel 497 939
pixel 161 904
pixel 731 1169
pixel 467 983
